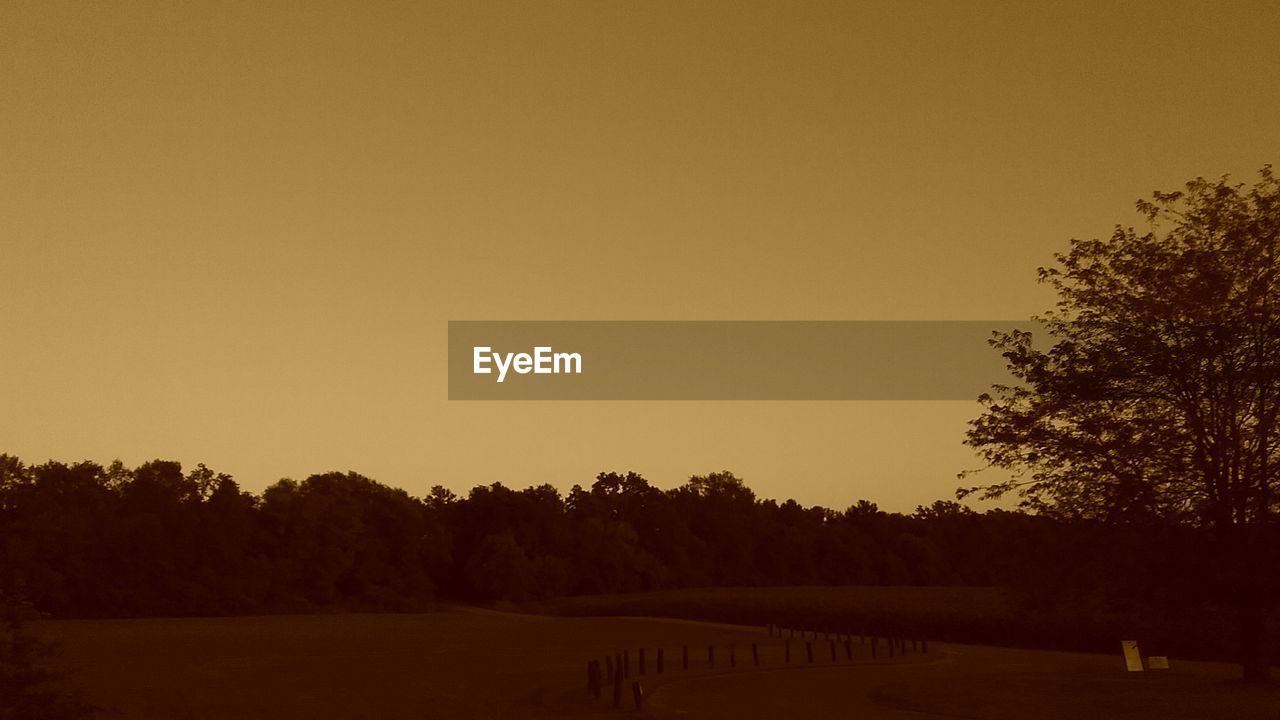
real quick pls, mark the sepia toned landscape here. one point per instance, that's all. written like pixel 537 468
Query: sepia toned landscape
pixel 489 360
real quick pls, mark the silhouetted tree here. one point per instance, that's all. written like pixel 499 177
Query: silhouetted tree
pixel 1156 405
pixel 498 569
pixel 341 538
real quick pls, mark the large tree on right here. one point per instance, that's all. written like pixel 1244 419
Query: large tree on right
pixel 1154 396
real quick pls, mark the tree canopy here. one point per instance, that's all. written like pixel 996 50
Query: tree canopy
pixel 1156 400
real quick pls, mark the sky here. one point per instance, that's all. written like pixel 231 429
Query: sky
pixel 234 233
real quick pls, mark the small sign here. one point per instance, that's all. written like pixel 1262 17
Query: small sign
pixel 1157 662
pixel 1132 658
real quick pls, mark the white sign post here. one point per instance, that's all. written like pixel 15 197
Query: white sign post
pixel 1132 658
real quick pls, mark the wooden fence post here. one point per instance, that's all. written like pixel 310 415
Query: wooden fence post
pixel 808 650
pixel 617 689
pixel 637 693
pixel 659 661
pixel 608 668
pixel 848 649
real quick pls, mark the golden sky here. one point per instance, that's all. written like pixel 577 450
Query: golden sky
pixel 233 233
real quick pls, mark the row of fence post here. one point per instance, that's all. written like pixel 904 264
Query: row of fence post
pixel 616 668
pixel 896 644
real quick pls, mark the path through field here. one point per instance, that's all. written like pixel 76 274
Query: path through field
pixel 467 664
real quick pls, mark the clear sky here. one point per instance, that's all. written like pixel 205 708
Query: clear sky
pixel 233 233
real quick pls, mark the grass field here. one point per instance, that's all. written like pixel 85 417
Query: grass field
pixel 467 663
pixel 452 664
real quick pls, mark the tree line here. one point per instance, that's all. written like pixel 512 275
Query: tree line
pixel 84 540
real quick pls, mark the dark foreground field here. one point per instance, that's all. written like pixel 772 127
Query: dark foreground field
pixel 482 664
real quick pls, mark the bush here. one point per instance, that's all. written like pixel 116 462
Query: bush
pixel 30 689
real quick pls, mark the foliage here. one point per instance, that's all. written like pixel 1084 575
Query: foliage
pixel 84 540
pixel 1157 403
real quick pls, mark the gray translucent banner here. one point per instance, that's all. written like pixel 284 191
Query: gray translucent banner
pixel 714 360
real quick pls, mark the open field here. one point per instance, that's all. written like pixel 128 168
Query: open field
pixel 481 664
pixel 455 664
